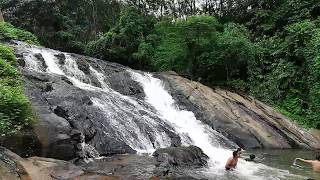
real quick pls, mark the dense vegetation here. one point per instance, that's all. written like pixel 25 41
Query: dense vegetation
pixel 269 49
pixel 15 108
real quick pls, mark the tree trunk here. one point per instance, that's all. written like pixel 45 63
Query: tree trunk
pixel 1 17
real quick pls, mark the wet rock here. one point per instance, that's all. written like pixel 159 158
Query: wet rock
pixel 61 112
pixel 65 79
pixel 25 143
pixel 181 156
pixel 61 57
pixel 62 149
pixel 86 100
pixel 21 62
pixel 77 135
pixel 242 119
pixel 41 59
pixel 83 66
pixel 47 87
pixel 124 84
pixel 108 146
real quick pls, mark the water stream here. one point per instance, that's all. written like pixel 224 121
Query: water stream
pixel 162 106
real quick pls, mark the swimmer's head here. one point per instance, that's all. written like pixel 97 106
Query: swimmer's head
pixel 236 154
pixel 318 157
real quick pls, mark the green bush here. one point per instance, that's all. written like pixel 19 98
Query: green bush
pixel 15 108
pixel 9 32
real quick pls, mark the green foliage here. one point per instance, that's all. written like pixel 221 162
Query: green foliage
pixel 66 25
pixel 183 44
pixel 121 43
pixel 15 108
pixel 8 32
pixel 285 72
pixel 268 48
pixel 200 48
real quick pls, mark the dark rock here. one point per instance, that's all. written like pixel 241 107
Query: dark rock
pixel 83 66
pixel 77 136
pixel 41 59
pixel 110 146
pixel 175 139
pixel 48 87
pixel 25 143
pixel 124 84
pixel 21 62
pixel 62 112
pixel 181 156
pixel 86 100
pixel 62 149
pixel 61 57
pixel 65 79
pixel 19 55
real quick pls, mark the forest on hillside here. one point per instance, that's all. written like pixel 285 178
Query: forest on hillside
pixel 269 49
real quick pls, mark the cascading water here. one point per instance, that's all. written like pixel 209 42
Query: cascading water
pixel 191 130
pixel 110 102
pixel 194 132
pixel 144 133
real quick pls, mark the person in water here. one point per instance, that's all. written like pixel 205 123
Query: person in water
pixel 233 161
pixel 314 163
pixel 251 157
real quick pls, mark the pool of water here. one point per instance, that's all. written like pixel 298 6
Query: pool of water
pixel 269 165
pixel 283 159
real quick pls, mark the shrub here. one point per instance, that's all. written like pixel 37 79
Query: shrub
pixel 9 32
pixel 15 108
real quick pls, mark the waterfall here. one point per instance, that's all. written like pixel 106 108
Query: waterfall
pixel 122 111
pixel 145 132
pixel 191 130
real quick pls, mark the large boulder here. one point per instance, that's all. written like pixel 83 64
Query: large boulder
pixel 35 168
pixel 181 156
pixel 241 118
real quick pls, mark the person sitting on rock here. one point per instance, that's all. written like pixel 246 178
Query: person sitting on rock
pixel 314 163
pixel 251 157
pixel 233 161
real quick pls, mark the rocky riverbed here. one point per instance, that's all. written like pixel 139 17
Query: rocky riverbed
pixel 133 167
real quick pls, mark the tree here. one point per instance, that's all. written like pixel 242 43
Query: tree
pixel 120 43
pixel 1 16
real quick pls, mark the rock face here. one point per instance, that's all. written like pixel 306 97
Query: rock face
pixel 181 156
pixel 242 119
pixel 13 167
